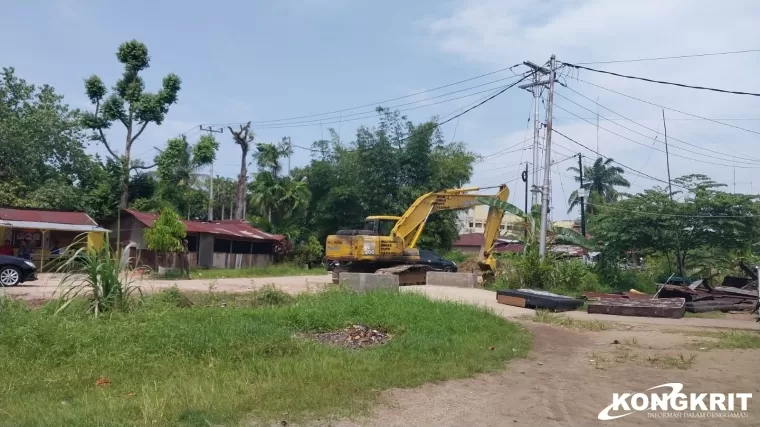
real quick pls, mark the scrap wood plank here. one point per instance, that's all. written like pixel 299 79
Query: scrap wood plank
pixel 537 299
pixel 665 307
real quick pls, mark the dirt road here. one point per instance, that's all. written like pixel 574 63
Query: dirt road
pixel 48 284
pixel 570 378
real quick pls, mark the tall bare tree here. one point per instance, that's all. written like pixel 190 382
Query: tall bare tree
pixel 129 105
pixel 244 138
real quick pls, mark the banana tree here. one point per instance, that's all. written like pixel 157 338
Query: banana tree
pixel 532 223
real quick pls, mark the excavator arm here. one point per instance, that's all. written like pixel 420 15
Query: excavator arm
pixel 411 224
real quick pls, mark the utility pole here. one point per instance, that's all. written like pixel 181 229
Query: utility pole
pixel 667 155
pixel 583 197
pixel 546 189
pixel 535 89
pixel 211 176
pixel 679 261
pixel 527 212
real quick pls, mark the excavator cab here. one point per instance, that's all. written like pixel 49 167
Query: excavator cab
pixel 381 225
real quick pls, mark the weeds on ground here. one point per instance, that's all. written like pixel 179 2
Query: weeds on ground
pixel 544 316
pixel 680 362
pixel 707 315
pixel 268 271
pixel 162 364
pixel 730 340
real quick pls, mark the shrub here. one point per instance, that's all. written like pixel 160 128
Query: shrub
pixel 308 252
pixel 569 277
pixel 456 255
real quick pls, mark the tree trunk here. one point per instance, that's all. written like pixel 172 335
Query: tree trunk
pixel 125 164
pixel 241 186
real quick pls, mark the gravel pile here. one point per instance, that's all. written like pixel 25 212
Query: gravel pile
pixel 356 336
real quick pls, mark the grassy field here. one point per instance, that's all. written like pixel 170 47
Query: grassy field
pixel 232 360
pixel 269 271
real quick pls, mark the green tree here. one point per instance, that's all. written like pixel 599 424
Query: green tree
pixel 177 169
pixel 599 181
pixel 165 235
pixel 42 157
pixel 707 225
pixel 382 171
pixel 130 105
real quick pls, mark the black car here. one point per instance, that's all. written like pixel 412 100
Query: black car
pixel 436 261
pixel 15 270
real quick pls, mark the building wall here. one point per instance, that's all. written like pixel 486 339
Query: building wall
pixel 473 221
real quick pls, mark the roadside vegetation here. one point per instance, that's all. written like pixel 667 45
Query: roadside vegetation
pixel 206 359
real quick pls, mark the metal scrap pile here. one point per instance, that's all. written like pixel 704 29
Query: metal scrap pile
pixel 734 294
pixel 701 297
pixel 356 336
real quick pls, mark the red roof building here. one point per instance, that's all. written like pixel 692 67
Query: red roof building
pixel 219 244
pixel 49 216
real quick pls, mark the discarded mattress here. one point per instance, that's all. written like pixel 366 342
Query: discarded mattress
pixel 671 307
pixel 530 298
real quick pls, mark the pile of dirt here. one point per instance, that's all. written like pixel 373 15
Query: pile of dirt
pixel 356 336
pixel 469 266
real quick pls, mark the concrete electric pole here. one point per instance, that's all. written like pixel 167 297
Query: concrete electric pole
pixel 211 176
pixel 546 188
pixel 535 89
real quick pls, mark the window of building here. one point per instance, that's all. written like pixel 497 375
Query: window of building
pixel 472 224
pixel 478 225
pixel 502 227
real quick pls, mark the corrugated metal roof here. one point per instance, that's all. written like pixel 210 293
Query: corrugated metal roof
pixel 229 228
pixel 38 225
pixel 37 215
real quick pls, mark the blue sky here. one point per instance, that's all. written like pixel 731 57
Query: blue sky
pixel 260 61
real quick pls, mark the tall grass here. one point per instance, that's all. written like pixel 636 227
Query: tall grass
pixel 99 277
pixel 244 362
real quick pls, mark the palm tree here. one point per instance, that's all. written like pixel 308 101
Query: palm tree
pixel 599 181
pixel 266 192
pixel 267 157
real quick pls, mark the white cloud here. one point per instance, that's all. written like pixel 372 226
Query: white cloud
pixel 500 33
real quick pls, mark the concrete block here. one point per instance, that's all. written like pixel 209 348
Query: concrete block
pixel 364 282
pixel 457 280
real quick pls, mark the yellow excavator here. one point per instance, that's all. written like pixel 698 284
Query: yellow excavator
pixel 387 244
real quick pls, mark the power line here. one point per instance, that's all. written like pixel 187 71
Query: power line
pixel 370 114
pixel 657 149
pixel 372 104
pixel 439 124
pixel 733 92
pixel 614 161
pixel 668 108
pixel 343 117
pixel 731 159
pixel 671 57
pixel 537 170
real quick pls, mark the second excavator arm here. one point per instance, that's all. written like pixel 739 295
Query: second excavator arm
pixel 411 224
